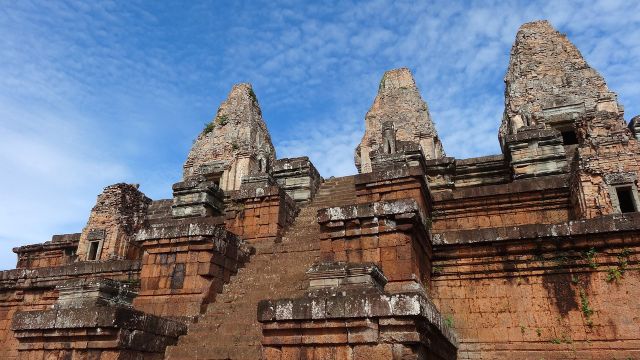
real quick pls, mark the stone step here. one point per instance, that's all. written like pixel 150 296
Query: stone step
pixel 339 181
pixel 336 189
pixel 335 194
pixel 324 205
pixel 220 326
pixel 347 187
pixel 338 199
pixel 323 192
pixel 224 338
pixel 229 328
pixel 239 352
pixel 334 200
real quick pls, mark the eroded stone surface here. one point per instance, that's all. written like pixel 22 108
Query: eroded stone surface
pixel 93 319
pixel 119 212
pixel 548 81
pixel 398 114
pixel 634 126
pixel 346 308
pixel 196 197
pixel 236 143
pixel 298 177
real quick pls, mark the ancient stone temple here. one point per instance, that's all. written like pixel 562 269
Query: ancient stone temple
pixel 528 254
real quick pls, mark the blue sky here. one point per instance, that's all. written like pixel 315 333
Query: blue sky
pixel 98 92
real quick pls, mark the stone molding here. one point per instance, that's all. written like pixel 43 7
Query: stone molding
pixel 93 315
pixel 50 277
pixel 350 313
pixel 601 225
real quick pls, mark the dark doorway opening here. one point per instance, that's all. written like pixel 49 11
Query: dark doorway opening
pixel 625 199
pixel 93 250
pixel 569 137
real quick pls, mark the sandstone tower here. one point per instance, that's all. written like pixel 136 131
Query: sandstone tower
pixel 398 118
pixel 532 253
pixel 548 82
pixel 235 144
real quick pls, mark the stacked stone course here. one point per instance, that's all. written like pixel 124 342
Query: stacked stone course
pixel 61 250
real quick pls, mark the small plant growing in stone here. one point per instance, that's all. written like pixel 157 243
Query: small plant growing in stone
pixel 590 256
pixel 381 85
pixel 616 273
pixel 624 254
pixel 565 339
pixel 561 259
pixel 438 270
pixel 587 311
pixel 448 320
pixel 253 95
pixel 240 208
pixel 538 332
pixel 222 120
pixel 208 128
pixel 235 146
pixel 522 329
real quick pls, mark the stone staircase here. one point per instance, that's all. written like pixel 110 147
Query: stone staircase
pixel 336 192
pixel 229 329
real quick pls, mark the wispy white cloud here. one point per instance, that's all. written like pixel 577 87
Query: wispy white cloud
pixel 50 176
pixel 69 117
pixel 458 53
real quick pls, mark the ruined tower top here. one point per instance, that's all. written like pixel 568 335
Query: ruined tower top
pixel 237 132
pixel 398 107
pixel 547 77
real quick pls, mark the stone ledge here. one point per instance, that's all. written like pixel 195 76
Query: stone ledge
pixel 61 241
pixel 66 237
pixel 203 234
pixel 480 159
pixel 46 246
pixel 379 208
pixel 184 228
pixel 290 164
pixel 325 276
pixel 524 185
pixel 533 133
pixel 389 173
pixel 138 331
pixel 256 187
pixel 298 177
pixel 197 182
pixel 197 197
pixel 99 316
pixel 600 225
pixel 447 160
pixel 94 314
pixel 44 276
pixel 83 292
pixel 353 305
